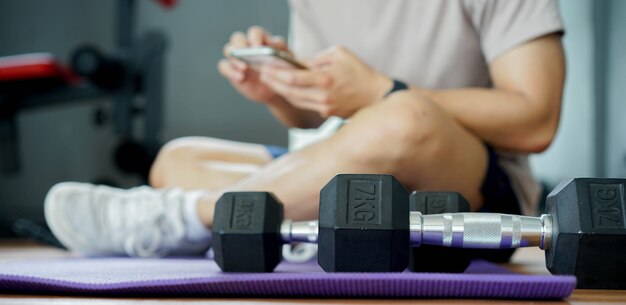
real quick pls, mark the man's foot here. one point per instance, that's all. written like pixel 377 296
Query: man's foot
pixel 143 222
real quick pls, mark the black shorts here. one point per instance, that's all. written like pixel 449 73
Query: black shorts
pixel 498 197
pixel 498 194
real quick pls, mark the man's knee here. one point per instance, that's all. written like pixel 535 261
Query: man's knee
pixel 174 153
pixel 412 118
pixel 394 130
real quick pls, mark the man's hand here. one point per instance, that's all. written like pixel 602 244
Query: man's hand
pixel 240 75
pixel 337 84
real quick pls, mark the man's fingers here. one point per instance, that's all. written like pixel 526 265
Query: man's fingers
pixel 305 98
pixel 227 69
pixel 299 78
pixel 237 40
pixel 327 56
pixel 257 36
pixel 278 42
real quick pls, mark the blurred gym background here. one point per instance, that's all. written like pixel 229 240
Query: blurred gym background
pixel 78 141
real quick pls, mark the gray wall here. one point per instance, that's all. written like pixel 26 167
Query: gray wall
pixel 572 152
pixel 616 91
pixel 199 100
pixel 595 46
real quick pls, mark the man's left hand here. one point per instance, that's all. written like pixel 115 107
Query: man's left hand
pixel 338 83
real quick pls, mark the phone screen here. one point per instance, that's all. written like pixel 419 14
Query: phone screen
pixel 260 56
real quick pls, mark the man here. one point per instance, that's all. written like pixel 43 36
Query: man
pixel 444 95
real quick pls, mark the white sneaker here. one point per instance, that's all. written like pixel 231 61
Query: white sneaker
pixel 101 220
pixel 299 253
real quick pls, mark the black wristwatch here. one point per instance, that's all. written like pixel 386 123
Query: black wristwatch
pixel 397 86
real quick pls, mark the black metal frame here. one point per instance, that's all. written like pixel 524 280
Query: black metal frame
pixel 143 61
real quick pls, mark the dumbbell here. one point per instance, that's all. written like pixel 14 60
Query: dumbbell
pixel 428 258
pixel 249 231
pixel 583 231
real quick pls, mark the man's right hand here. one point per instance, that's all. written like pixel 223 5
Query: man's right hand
pixel 240 75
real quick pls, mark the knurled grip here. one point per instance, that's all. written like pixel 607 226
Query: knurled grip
pixel 480 230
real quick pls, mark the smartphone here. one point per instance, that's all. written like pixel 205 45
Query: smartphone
pixel 259 56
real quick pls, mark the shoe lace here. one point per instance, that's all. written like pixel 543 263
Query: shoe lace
pixel 152 224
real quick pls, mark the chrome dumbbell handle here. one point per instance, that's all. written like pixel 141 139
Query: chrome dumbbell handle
pixel 300 231
pixel 459 230
pixel 480 230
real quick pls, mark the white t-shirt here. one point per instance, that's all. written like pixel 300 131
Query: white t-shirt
pixel 434 44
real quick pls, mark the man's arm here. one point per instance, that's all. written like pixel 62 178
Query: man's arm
pixel 521 113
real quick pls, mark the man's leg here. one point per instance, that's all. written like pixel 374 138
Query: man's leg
pixel 206 163
pixel 142 221
pixel 405 135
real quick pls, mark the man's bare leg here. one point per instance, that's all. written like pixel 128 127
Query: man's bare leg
pixel 405 135
pixel 206 163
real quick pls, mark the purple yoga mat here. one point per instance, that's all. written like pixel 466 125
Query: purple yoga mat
pixel 201 277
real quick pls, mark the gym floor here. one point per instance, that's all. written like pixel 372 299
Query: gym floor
pixel 526 260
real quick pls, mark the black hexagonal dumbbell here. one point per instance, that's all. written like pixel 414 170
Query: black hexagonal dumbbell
pixel 583 230
pixel 249 231
pixel 363 224
pixel 246 232
pixel 588 232
pixel 427 258
pixel 364 227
